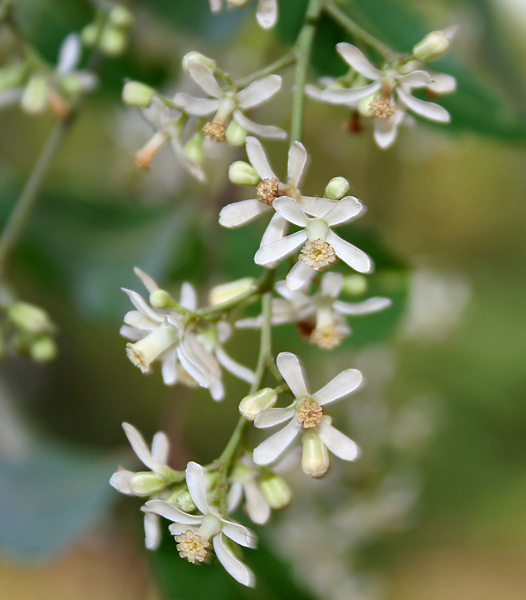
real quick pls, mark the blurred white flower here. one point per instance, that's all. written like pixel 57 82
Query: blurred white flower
pixel 266 12
pixel 244 483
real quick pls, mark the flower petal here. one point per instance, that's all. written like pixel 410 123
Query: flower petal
pixel 331 284
pixel 442 83
pixel 269 450
pixel 350 96
pixel 171 512
pixel 357 60
pixel 337 442
pixel 344 211
pixel 428 110
pixel 385 132
pixel 138 320
pixel 160 447
pixel 415 79
pixel 232 366
pixel 353 256
pixel 169 367
pixel 273 416
pixel 233 497
pixel 195 480
pixel 290 367
pixel 152 531
pixel 258 158
pixel 289 209
pixel 265 131
pixel 140 304
pixel 149 282
pixel 69 53
pixel 257 507
pixel 371 305
pixel 343 384
pixel 267 13
pixel 199 107
pixel 276 229
pixel 239 533
pixel 280 249
pixel 240 213
pixel 204 78
pixel 259 91
pixel 300 275
pixel 139 446
pixel 188 296
pixel 297 161
pixel 238 570
pixel 120 480
pixel 315 206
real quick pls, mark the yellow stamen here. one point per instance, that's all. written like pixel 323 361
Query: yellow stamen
pixel 192 546
pixel 309 414
pixel 215 130
pixel 327 336
pixel 268 190
pixel 317 254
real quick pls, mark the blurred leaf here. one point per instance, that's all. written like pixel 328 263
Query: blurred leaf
pixel 50 497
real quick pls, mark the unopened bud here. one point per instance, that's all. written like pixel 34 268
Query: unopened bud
pixel 113 41
pixel 146 483
pixel 253 404
pixel 43 350
pixel 241 173
pixel 275 490
pixel 181 497
pixel 315 457
pixel 121 17
pixel 135 93
pixel 30 318
pixel 238 2
pixel 194 148
pixel 337 188
pixel 161 299
pixel 90 35
pixel 36 95
pixel 197 57
pixel 230 291
pixel 235 134
pixel 435 44
pixel 12 75
pixel 354 285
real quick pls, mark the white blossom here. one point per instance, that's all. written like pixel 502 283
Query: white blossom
pixel 266 12
pixel 306 414
pixel 193 533
pixel 244 483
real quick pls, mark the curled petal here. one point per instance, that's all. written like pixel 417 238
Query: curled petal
pixel 349 96
pixel 415 79
pixel 259 91
pixel 357 60
pixel 371 305
pixel 257 507
pixel 69 53
pixel 442 83
pixel 386 130
pixel 140 304
pixel 149 282
pixel 120 480
pixel 200 107
pixel 169 367
pixel 171 512
pixel 239 533
pixel 239 571
pixel 234 496
pixel 139 446
pixel 276 229
pixel 204 78
pixel 243 373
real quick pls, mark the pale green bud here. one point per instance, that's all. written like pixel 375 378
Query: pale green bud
pixel 12 75
pixel 43 349
pixel 194 147
pixel 146 483
pixel 235 134
pixel 241 173
pixel 354 285
pixel 315 457
pixel 30 318
pixel 238 2
pixel 231 290
pixel 135 93
pixel 198 57
pixel 275 490
pixel 161 299
pixel 113 41
pixel 337 188
pixel 121 17
pixel 181 497
pixel 434 44
pixel 253 404
pixel 36 95
pixel 90 35
pixel 71 84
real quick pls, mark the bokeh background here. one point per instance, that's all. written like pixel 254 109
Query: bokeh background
pixel 435 509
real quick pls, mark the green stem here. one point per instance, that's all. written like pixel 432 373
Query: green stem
pixel 277 65
pixel 302 50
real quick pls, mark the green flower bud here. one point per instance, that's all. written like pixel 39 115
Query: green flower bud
pixel 30 318
pixel 194 147
pixel 113 41
pixel 146 483
pixel 337 188
pixel 241 173
pixel 90 35
pixel 315 457
pixel 253 404
pixel 12 75
pixel 235 134
pixel 231 290
pixel 198 57
pixel 161 299
pixel 275 490
pixel 36 95
pixel 354 285
pixel 135 93
pixel 238 2
pixel 181 498
pixel 120 17
pixel 43 349
pixel 434 44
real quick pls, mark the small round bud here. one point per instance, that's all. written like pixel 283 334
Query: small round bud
pixel 241 173
pixel 36 95
pixel 113 41
pixel 43 350
pixel 12 75
pixel 181 497
pixel 354 285
pixel 30 318
pixel 275 490
pixel 135 93
pixel 161 299
pixel 146 483
pixel 315 457
pixel 434 44
pixel 235 134
pixel 238 2
pixel 253 404
pixel 121 17
pixel 90 34
pixel 194 148
pixel 197 57
pixel 337 188
pixel 231 290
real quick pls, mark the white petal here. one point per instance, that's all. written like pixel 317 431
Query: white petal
pixel 371 305
pixel 243 373
pixel 188 296
pixel 315 206
pixel 276 229
pixel 298 297
pixel 250 323
pixel 239 571
pixel 140 304
pixel 200 107
pixel 216 5
pixel 289 209
pixel 195 480
pixel 385 131
pixel 267 13
pixel 191 367
pixel 160 447
pixel 179 528
pixel 217 389
pixel 344 211
pixel 429 110
pixel 353 256
pixel 240 213
pixel 338 443
pixel 134 335
pixel 280 249
pixel 273 416
pixel 139 446
pixel 343 384
pixel 442 83
pixel 265 131
pixel 239 533
pixel 331 284
pixel 233 497
pixel 290 367
pixel 120 480
pixel 171 512
pixel 257 507
pixel 149 282
pixel 204 78
pixel 357 60
pixel 269 450
pixel 314 92
pixel 258 158
pixel 140 321
pixel 69 53
pixel 415 79
pixel 152 531
pixel 259 91
pixel 300 275
pixel 350 96
pixel 297 161
pixel 169 367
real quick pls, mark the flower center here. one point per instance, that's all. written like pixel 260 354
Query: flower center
pixel 192 546
pixel 327 336
pixel 381 108
pixel 317 254
pixel 215 130
pixel 268 190
pixel 309 413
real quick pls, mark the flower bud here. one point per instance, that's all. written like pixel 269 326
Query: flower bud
pixel 354 285
pixel 113 41
pixel 198 57
pixel 43 350
pixel 231 290
pixel 146 483
pixel 194 148
pixel 120 17
pixel 12 75
pixel 241 173
pixel 90 34
pixel 181 497
pixel 135 93
pixel 434 44
pixel 238 2
pixel 337 188
pixel 36 95
pixel 30 318
pixel 275 490
pixel 161 299
pixel 315 457
pixel 253 404
pixel 235 134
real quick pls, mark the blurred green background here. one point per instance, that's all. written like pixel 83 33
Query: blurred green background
pixel 445 225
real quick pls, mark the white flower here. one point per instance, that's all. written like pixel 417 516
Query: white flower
pixel 306 414
pixel 228 104
pixel 243 482
pixel 319 244
pixel 266 13
pixel 146 484
pixel 193 533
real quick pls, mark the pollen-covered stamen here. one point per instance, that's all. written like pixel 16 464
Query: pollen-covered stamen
pixel 215 130
pixel 317 254
pixel 268 190
pixel 309 413
pixel 192 546
pixel 327 336
pixel 381 108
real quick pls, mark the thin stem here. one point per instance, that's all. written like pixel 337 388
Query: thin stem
pixel 277 65
pixel 303 49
